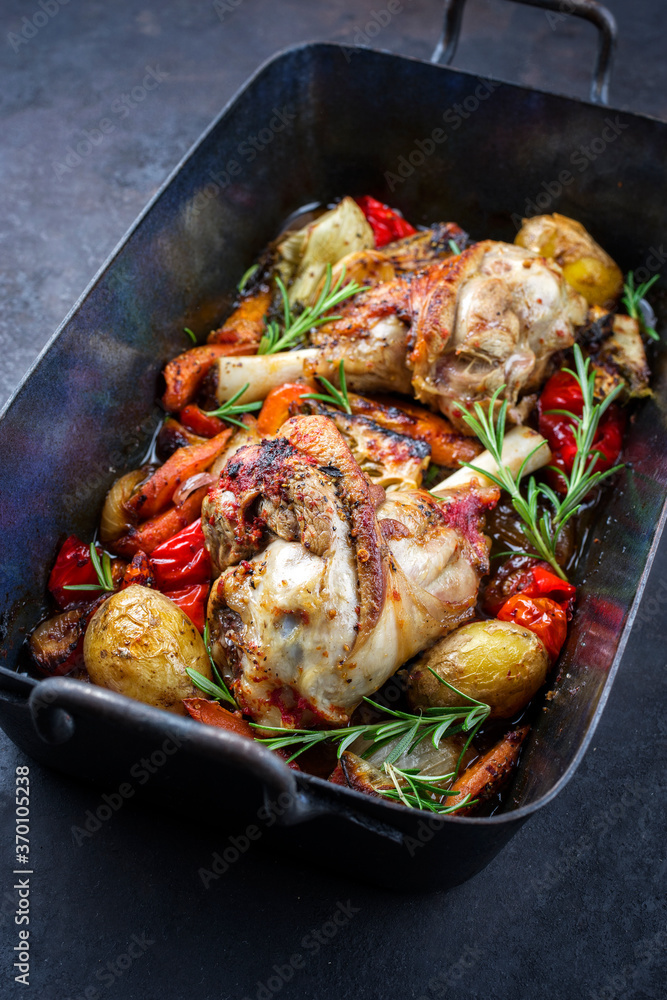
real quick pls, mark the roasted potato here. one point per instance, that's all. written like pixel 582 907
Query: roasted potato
pixel 499 663
pixel 139 643
pixel 586 266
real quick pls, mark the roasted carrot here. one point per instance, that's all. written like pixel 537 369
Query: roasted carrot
pixel 157 491
pixel 150 534
pixel 486 776
pixel 211 713
pixel 276 408
pixel 246 324
pixel 448 447
pixel 185 373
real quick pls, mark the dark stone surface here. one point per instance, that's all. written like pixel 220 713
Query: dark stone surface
pixel 574 906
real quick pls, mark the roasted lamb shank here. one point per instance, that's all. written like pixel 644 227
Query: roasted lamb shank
pixel 326 586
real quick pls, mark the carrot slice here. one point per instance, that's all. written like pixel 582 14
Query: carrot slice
pixel 486 776
pixel 200 422
pixel 185 373
pixel 213 714
pixel 246 323
pixel 152 533
pixel 156 492
pixel 276 408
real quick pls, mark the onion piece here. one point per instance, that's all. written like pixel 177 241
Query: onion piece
pixel 190 485
pixel 261 372
pixel 517 445
pixel 115 521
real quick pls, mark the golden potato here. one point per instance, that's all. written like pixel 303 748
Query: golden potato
pixel 586 266
pixel 499 663
pixel 139 643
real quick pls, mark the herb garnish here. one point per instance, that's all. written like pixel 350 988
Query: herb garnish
pixel 336 397
pixel 225 411
pixel 191 335
pixel 542 530
pixel 407 728
pixel 219 691
pixel 632 297
pixel 454 247
pixel 420 789
pixel 296 327
pixel 103 570
pixel 247 276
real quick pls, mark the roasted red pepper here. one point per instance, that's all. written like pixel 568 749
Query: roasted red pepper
pixel 541 615
pixel 198 420
pixel 192 601
pixel 72 567
pixel 544 583
pixel 563 392
pixel 387 224
pixel 182 560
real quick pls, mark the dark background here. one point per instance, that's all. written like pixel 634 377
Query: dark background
pixel 574 906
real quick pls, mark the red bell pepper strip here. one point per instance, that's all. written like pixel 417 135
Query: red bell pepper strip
pixel 200 422
pixel 541 615
pixel 387 224
pixel 73 567
pixel 563 392
pixel 182 560
pixel 276 407
pixel 192 601
pixel 544 583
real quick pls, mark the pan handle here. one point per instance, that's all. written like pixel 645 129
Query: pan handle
pixel 590 10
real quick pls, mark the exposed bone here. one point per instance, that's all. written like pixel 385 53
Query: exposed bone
pixel 517 445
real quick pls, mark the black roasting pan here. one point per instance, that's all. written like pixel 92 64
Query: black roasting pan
pixel 315 122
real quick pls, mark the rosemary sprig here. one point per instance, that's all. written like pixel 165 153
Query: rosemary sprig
pixel 542 530
pixel 632 297
pixel 103 570
pixel 219 691
pixel 247 275
pixel 336 397
pixel 453 246
pixel 294 327
pixel 191 335
pixel 405 729
pixel 421 789
pixel 225 411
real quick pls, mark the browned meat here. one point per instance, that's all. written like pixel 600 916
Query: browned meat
pixel 493 315
pixel 320 600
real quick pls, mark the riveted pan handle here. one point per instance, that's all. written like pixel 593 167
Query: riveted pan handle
pixel 590 10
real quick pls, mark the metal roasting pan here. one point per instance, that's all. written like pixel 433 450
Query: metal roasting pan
pixel 329 120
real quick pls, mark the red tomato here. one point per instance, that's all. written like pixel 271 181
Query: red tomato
pixel 182 560
pixel 541 615
pixel 191 600
pixel 200 422
pixel 72 567
pixel 563 392
pixel 387 224
pixel 546 584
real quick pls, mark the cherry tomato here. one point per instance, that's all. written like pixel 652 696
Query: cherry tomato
pixel 182 560
pixel 387 224
pixel 541 615
pixel 73 566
